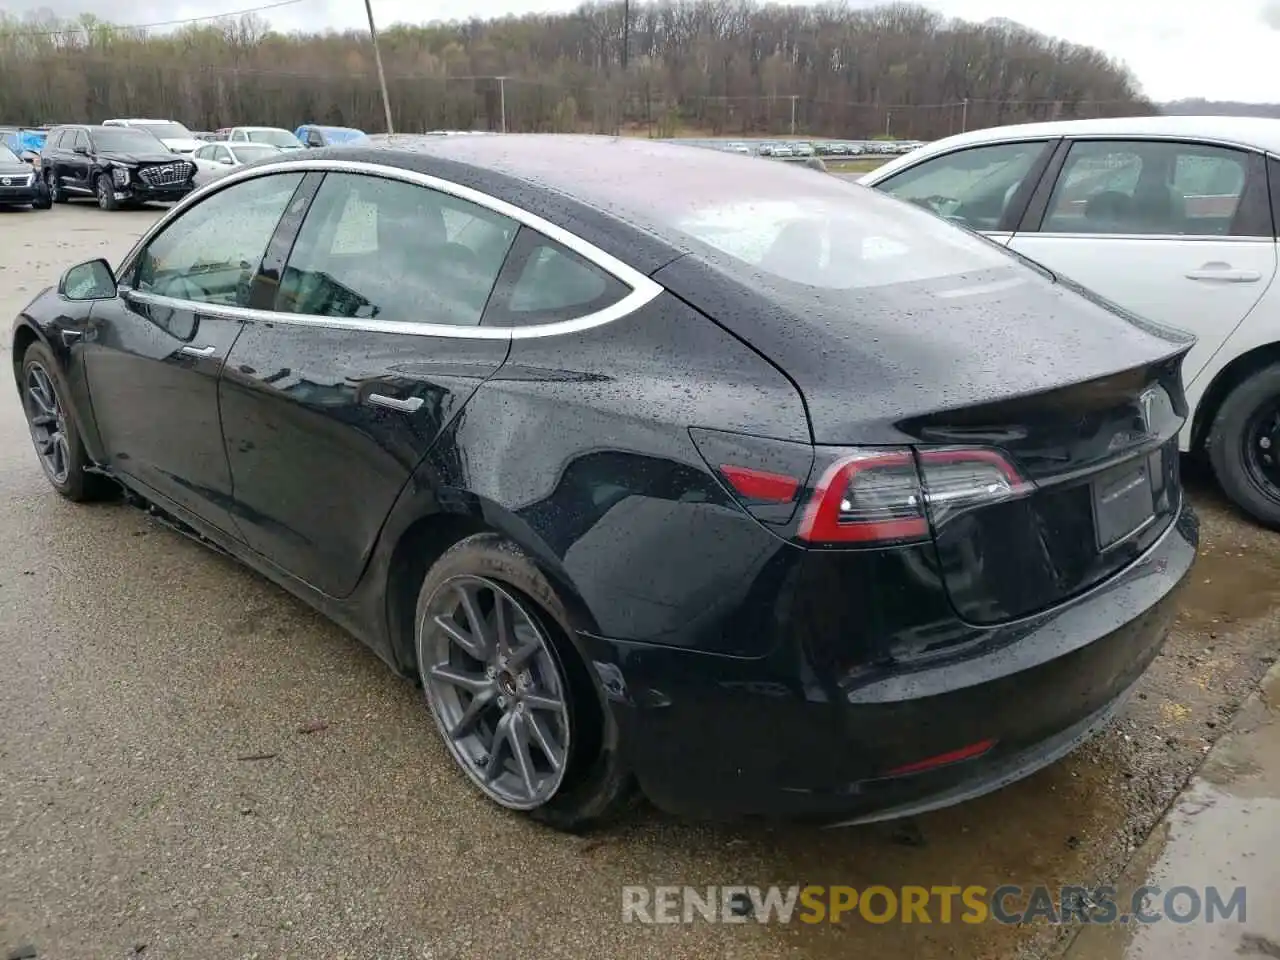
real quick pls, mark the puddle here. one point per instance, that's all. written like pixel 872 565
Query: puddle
pixel 1220 840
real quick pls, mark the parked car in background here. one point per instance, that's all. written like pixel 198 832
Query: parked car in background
pixel 20 185
pixel 801 148
pixel 115 165
pixel 215 160
pixel 315 135
pixel 205 136
pixel 26 142
pixel 751 486
pixel 275 136
pixel 1173 218
pixel 172 134
pixel 737 147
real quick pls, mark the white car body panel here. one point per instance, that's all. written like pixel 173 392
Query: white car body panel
pixel 1221 289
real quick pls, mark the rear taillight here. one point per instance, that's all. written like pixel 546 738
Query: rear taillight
pixel 856 496
pixel 894 496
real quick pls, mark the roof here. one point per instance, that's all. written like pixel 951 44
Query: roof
pixel 619 175
pixel 1262 133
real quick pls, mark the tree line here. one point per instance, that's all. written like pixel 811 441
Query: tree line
pixel 675 67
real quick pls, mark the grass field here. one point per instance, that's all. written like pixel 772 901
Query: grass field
pixel 859 165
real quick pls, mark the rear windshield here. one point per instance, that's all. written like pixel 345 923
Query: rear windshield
pixel 342 134
pixel 167 130
pixel 830 234
pixel 249 152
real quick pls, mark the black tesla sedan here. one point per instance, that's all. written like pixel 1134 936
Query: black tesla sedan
pixel 659 466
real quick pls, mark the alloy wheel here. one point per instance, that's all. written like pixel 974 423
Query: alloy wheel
pixel 103 187
pixel 48 422
pixel 496 689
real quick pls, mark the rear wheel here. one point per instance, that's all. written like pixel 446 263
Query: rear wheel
pixel 510 695
pixel 105 192
pixel 53 430
pixel 1244 446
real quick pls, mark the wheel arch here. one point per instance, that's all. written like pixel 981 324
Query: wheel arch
pixel 1224 381
pixel 421 533
pixel 24 334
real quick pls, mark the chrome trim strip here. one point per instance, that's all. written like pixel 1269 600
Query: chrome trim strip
pixel 643 289
pixel 329 323
pixel 1183 237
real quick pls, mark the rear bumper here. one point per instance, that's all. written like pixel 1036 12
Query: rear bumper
pixel 780 737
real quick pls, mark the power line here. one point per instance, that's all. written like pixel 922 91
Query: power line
pixel 77 31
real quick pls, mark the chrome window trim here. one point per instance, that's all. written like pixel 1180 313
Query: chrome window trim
pixel 643 289
pixel 1180 237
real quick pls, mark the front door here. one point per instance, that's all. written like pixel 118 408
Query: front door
pixel 328 409
pixel 153 355
pixel 1177 232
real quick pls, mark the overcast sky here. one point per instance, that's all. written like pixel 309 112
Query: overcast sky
pixel 1220 50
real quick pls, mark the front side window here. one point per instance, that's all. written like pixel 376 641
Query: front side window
pixel 1153 188
pixel 82 140
pixel 374 248
pixel 973 187
pixel 211 253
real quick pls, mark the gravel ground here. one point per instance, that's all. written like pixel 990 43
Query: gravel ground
pixel 195 765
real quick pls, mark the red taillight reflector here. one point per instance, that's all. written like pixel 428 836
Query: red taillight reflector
pixel 866 498
pixel 971 752
pixel 761 484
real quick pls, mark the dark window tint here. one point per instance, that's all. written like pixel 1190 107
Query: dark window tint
pixel 383 249
pixel 544 282
pixel 973 186
pixel 211 253
pixel 54 140
pixel 1154 188
pixel 82 140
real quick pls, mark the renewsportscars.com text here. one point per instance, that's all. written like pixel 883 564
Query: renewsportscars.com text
pixel 972 904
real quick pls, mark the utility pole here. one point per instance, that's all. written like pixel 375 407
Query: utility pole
pixel 888 122
pixel 964 116
pixel 377 57
pixel 793 99
pixel 502 101
pixel 626 34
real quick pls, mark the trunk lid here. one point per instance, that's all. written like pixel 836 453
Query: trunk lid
pixel 1083 400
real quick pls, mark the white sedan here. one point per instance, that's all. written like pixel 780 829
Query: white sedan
pixel 214 160
pixel 1175 219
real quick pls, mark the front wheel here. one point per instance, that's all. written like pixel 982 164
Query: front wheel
pixel 56 194
pixel 53 430
pixel 1244 446
pixel 106 193
pixel 510 695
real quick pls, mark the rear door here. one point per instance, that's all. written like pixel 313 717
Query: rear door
pixel 1176 231
pixel 364 345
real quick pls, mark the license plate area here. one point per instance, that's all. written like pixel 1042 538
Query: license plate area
pixel 1124 501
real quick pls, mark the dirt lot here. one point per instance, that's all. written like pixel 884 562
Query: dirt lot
pixel 141 673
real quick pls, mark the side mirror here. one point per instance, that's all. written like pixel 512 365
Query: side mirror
pixel 80 148
pixel 93 280
pixel 227 162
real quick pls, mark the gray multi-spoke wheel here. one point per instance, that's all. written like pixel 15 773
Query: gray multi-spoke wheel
pixel 497 690
pixel 54 431
pixel 48 422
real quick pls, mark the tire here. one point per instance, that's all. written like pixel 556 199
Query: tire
pixel 591 785
pixel 55 191
pixel 72 481
pixel 1237 448
pixel 105 192
pixel 43 201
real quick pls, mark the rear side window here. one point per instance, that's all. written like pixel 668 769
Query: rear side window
pixel 381 249
pixel 544 282
pixel 1151 188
